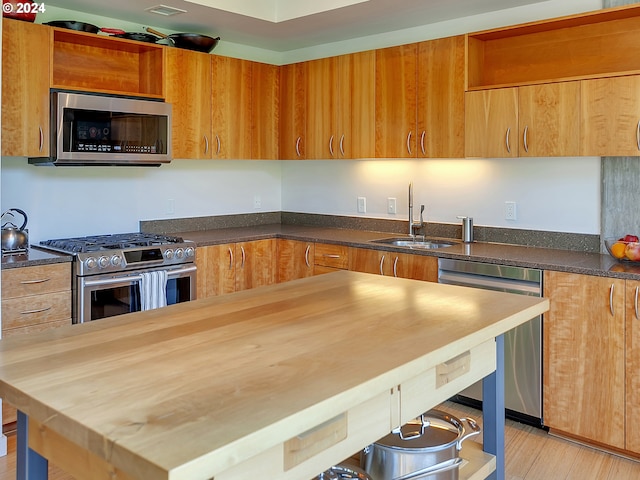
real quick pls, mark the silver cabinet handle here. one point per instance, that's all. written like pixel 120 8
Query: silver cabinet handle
pixel 331 145
pixel 635 303
pixel 206 144
pixel 638 135
pixel 507 140
pixel 524 138
pixel 38 310
pixel 395 267
pixel 41 139
pixel 230 259
pixel 219 145
pixel 330 255
pixel 244 257
pixel 409 143
pixel 298 146
pixel 611 300
pixel 382 265
pixel 39 280
pixel 424 133
pixel 306 256
pixel 342 145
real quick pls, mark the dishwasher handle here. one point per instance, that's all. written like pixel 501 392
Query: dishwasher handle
pixel 490 283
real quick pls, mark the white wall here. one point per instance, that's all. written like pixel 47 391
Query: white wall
pixel 551 194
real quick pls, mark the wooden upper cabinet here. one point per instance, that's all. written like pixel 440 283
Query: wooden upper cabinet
pixel 188 89
pixel 440 98
pixel 25 89
pixel 265 111
pixel 339 106
pixel 231 107
pixel 293 108
pixel 610 116
pixel 549 120
pixel 491 123
pixel 395 102
pixel 584 357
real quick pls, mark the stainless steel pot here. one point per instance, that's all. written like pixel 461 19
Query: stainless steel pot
pixel 425 448
pixel 14 238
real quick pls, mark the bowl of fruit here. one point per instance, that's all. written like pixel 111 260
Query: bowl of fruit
pixel 625 249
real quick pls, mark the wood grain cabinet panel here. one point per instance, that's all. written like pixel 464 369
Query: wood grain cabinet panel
pixel 231 107
pixel 293 108
pixel 584 357
pixel 25 89
pixel 255 263
pixel 402 265
pixel 265 111
pixel 610 116
pixel 188 89
pixel 294 259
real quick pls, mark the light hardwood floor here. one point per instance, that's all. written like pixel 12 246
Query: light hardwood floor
pixel 531 454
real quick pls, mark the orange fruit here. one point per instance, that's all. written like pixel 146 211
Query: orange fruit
pixel 618 249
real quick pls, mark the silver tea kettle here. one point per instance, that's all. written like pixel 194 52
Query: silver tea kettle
pixel 13 237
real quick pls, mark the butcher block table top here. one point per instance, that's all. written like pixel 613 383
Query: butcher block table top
pixel 193 389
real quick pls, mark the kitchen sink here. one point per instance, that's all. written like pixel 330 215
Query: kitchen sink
pixel 417 242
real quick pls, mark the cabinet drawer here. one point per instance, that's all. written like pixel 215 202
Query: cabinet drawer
pixel 336 256
pixel 19 282
pixel 445 380
pixel 35 309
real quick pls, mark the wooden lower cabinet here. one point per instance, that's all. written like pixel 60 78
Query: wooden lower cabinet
pixel 402 265
pixel 632 357
pixel 294 260
pixel 34 299
pixel 329 258
pixel 232 267
pixel 584 358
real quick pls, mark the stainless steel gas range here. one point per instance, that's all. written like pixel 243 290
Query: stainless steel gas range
pixel 123 273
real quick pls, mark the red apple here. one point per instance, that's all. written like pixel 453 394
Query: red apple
pixel 632 252
pixel 630 238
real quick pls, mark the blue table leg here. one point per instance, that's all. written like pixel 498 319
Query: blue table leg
pixel 30 465
pixel 493 412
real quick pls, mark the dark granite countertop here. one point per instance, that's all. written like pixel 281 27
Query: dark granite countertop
pixel 32 257
pixel 543 258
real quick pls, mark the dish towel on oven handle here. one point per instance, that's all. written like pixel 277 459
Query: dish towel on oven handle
pixel 153 290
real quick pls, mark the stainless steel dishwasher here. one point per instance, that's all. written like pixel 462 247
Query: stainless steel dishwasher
pixel 523 345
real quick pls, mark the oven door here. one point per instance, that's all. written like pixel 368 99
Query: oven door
pixel 102 296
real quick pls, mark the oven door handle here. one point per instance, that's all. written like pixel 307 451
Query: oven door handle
pixel 134 278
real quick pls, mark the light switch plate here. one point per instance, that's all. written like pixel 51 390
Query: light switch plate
pixel 362 204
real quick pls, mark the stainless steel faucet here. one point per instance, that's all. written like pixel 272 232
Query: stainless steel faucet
pixel 413 225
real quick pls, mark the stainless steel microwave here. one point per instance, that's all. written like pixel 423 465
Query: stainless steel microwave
pixel 106 130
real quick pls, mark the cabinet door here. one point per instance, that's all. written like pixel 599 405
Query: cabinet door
pixel 440 103
pixel 25 89
pixel 610 116
pixel 367 260
pixel 265 111
pixel 395 92
pixel 549 120
pixel 295 259
pixel 633 364
pixel 216 270
pixel 254 262
pixel 356 105
pixel 491 123
pixel 321 92
pixel 584 357
pixel 188 89
pixel 415 267
pixel 231 106
pixel 293 107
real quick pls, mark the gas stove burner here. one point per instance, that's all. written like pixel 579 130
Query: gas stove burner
pixel 118 241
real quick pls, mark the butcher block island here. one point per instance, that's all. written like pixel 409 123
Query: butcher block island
pixel 279 382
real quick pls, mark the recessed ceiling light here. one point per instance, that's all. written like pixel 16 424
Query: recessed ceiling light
pixel 165 10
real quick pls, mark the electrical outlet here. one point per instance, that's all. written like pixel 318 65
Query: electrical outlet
pixel 391 205
pixel 257 202
pixel 362 204
pixel 510 211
